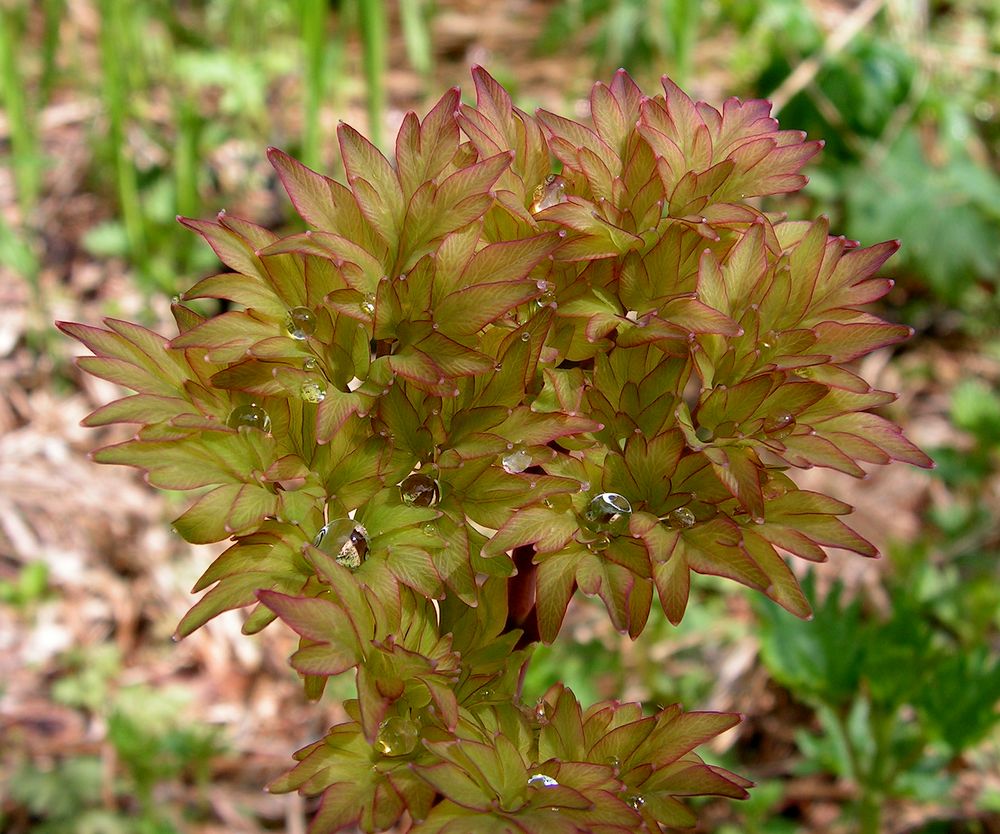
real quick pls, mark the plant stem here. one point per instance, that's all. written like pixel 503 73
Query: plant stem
pixel 521 611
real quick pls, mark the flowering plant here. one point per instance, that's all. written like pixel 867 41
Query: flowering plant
pixel 525 358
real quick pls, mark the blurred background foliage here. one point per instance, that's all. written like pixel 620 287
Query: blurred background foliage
pixel 880 713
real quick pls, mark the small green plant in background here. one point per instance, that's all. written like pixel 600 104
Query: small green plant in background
pixel 898 696
pixel 154 750
pixel 523 359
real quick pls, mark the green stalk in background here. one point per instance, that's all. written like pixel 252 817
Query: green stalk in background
pixel 188 200
pixel 313 16
pixel 682 18
pixel 54 11
pixel 417 37
pixel 16 247
pixel 114 38
pixel 371 18
pixel 25 155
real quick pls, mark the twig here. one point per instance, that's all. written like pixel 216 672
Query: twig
pixel 805 72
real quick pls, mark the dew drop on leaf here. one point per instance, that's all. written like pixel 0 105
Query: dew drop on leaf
pixel 525 337
pixel 312 391
pixel 635 801
pixel 310 364
pixel 779 426
pixel 397 736
pixel 419 490
pixel 516 461
pixel 252 416
pixel 600 542
pixel 609 512
pixel 548 295
pixel 542 780
pixel 680 518
pixel 773 488
pixel 345 540
pixel 300 323
pixel 543 711
pixel 368 305
pixel 429 529
pixel 548 194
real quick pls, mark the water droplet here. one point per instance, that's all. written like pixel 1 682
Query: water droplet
pixel 543 711
pixel 525 337
pixel 252 416
pixel 309 364
pixel 773 488
pixel 680 518
pixel 779 426
pixel 542 780
pixel 516 461
pixel 312 391
pixel 548 194
pixel 419 490
pixel 345 540
pixel 300 323
pixel 635 801
pixel 498 367
pixel 429 529
pixel 609 512
pixel 614 761
pixel 704 434
pixel 397 736
pixel 368 305
pixel 600 542
pixel 546 299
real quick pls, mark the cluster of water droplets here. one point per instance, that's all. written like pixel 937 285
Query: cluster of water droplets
pixel 368 305
pixel 345 540
pixel 251 415
pixel 548 296
pixel 300 323
pixel 397 736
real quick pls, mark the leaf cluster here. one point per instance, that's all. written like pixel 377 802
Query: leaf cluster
pixel 523 358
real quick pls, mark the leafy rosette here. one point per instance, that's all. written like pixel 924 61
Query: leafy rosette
pixel 522 357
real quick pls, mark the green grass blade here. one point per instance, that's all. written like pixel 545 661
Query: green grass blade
pixel 313 16
pixel 115 92
pixel 371 17
pixel 417 36
pixel 25 156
